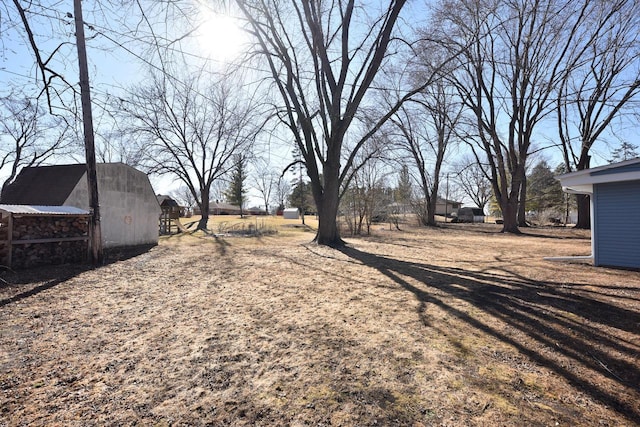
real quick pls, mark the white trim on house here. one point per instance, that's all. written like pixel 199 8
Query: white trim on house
pixel 581 182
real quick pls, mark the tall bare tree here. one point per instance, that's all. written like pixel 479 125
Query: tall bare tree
pixel 323 58
pixel 592 95
pixel 426 128
pixel 367 195
pixel 515 55
pixel 265 180
pixel 192 131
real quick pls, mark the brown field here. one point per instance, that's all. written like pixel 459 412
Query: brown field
pixel 458 325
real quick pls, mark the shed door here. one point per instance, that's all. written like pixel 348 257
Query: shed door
pixel 617 224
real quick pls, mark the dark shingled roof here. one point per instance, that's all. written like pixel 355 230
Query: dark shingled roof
pixel 43 185
pixel 165 200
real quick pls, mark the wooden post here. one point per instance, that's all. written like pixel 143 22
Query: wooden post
pixel 95 234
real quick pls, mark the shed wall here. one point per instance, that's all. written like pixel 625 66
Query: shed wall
pixel 617 224
pixel 129 209
pixel 290 213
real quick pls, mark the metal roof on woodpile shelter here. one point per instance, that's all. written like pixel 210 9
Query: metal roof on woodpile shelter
pixel 43 210
pixel 44 185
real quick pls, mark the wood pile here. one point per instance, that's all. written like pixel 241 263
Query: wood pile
pixel 43 240
pixel 48 227
pixel 36 254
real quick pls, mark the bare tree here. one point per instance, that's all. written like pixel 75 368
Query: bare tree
pixel 31 22
pixel 515 55
pixel 366 197
pixel 192 132
pixel 323 59
pixel 265 180
pixel 282 191
pixel 184 196
pixel 473 182
pixel 29 136
pixel 592 95
pixel 426 128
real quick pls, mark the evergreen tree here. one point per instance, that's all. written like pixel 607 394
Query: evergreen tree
pixel 544 192
pixel 626 151
pixel 302 197
pixel 236 192
pixel 404 191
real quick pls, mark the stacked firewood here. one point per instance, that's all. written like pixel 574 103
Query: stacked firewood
pixel 35 254
pixel 48 227
pixel 34 240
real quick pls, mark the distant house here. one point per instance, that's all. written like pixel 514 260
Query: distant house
pixel 615 203
pixel 447 207
pixel 443 206
pixel 129 210
pixel 220 208
pixel 255 210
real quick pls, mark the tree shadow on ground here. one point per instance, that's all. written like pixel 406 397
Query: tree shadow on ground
pixel 20 284
pixel 555 322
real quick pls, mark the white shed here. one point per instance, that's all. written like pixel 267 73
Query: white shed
pixel 290 213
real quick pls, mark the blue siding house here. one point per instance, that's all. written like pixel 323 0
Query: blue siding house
pixel 615 211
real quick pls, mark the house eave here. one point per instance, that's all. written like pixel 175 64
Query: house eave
pixel 582 182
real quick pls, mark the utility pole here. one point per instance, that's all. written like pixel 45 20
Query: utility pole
pixel 446 200
pixel 297 156
pixel 95 234
pixel 301 191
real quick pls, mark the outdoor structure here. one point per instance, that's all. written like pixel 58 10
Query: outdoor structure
pixel 615 203
pixel 39 235
pixel 446 207
pixel 290 213
pixel 220 208
pixel 129 209
pixel 469 215
pixel 170 216
pixel 256 211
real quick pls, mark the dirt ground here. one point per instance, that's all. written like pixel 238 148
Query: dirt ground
pixel 458 325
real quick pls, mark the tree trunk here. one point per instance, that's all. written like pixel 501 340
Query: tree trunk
pixel 204 209
pixel 328 233
pixel 431 210
pixel 584 212
pixel 327 202
pixel 510 216
pixel 583 201
pixel 522 202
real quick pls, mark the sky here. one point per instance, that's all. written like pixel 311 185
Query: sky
pixel 117 60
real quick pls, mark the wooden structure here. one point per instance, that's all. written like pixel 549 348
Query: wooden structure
pixel 42 235
pixel 169 216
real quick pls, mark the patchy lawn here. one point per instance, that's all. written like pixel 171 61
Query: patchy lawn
pixel 450 326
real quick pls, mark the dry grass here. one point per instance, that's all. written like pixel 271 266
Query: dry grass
pixel 230 225
pixel 450 326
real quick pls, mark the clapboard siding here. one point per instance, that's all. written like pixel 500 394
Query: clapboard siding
pixel 617 224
